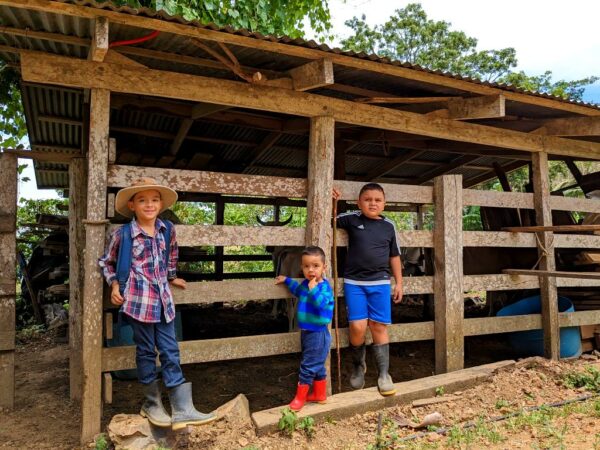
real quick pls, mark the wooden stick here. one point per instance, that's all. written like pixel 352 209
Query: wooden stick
pixel 335 296
pixel 555 228
pixel 553 273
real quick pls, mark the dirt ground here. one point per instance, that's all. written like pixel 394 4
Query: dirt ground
pixel 45 418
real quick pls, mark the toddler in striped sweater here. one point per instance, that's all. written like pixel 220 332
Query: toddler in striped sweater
pixel 315 310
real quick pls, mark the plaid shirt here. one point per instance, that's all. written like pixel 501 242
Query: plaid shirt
pixel 148 283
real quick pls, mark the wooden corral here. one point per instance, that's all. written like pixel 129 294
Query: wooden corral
pixel 101 116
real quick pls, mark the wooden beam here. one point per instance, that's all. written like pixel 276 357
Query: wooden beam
pixel 501 174
pixel 47 69
pixel 60 158
pixel 484 107
pixel 402 100
pixel 441 170
pixel 99 40
pixel 312 75
pixel 448 277
pixel 200 110
pixel 77 213
pixel 268 45
pixel 182 132
pixel 114 57
pixel 91 405
pixel 391 165
pixel 61 120
pixel 555 228
pixel 548 293
pixel 571 126
pixel 259 151
pixel 553 273
pixel 8 277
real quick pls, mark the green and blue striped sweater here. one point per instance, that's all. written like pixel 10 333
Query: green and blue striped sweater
pixel 315 307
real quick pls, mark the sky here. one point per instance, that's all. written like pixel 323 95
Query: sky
pixel 560 36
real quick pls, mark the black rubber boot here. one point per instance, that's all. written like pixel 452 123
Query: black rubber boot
pixel 153 409
pixel 384 381
pixel 359 367
pixel 183 412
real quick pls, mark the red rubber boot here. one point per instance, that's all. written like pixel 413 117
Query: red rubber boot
pixel 319 392
pixel 300 398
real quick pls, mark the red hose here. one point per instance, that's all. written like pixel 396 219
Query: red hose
pixel 134 41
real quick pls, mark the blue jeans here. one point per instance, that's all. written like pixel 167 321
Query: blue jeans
pixel 315 349
pixel 151 336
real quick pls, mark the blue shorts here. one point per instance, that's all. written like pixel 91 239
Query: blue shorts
pixel 373 302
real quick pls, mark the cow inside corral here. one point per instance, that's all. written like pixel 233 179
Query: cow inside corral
pixel 287 261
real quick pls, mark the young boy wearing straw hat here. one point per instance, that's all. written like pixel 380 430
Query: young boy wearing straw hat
pixel 146 301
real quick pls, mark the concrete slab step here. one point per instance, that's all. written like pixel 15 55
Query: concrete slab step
pixel 347 404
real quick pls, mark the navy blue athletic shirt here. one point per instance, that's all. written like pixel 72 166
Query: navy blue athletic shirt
pixel 371 244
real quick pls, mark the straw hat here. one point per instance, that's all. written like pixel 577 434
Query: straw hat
pixel 168 195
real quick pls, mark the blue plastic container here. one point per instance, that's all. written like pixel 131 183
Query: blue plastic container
pixel 531 342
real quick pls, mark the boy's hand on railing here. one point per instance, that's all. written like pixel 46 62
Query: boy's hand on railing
pixel 280 279
pixel 178 282
pixel 336 194
pixel 398 293
pixel 115 296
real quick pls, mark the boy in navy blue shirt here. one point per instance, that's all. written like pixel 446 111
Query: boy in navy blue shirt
pixel 373 252
pixel 315 310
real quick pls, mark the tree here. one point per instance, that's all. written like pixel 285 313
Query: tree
pixel 411 37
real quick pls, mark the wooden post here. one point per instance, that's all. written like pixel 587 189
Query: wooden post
pixel 77 210
pixel 8 280
pixel 548 294
pixel 91 408
pixel 320 185
pixel 219 250
pixel 448 276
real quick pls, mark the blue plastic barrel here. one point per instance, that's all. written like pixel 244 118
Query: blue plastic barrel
pixel 531 342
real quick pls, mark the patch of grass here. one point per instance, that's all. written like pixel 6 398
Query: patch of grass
pixel 250 447
pixel 589 379
pixel 439 391
pixel 101 442
pixel 30 333
pixel 501 403
pixel 289 422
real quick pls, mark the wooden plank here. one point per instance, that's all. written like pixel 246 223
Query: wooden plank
pixel 107 388
pixel 571 126
pixel 114 57
pixel 492 325
pixel 575 204
pixel 498 239
pixel 484 107
pixel 579 318
pixel 312 75
pixel 416 238
pixel 347 404
pixel 91 405
pixel 61 158
pixel 231 235
pixel 394 193
pixel 499 282
pixel 496 199
pixel 108 325
pixel 549 297
pixel 210 182
pixel 112 150
pixel 294 50
pixel 555 228
pixel 77 212
pixel 448 277
pixel 99 40
pixel 554 273
pixel 8 262
pixel 49 69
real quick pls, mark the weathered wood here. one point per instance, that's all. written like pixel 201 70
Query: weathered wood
pixel 417 238
pixel 91 407
pixel 484 107
pixel 114 57
pixel 210 182
pixel 549 296
pixel 493 325
pixel 62 158
pixel 574 204
pixel 555 228
pixel 99 40
pixel 579 318
pixel 43 68
pixel 7 223
pixel 554 273
pixel 107 388
pixel 448 276
pixel 498 239
pixel 571 126
pixel 8 262
pixel 495 199
pixel 394 193
pixel 312 75
pixel 499 282
pixel 112 150
pixel 108 325
pixel 77 212
pixel 293 50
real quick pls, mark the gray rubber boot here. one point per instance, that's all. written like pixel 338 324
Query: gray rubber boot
pixel 359 367
pixel 183 412
pixel 153 409
pixel 384 381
